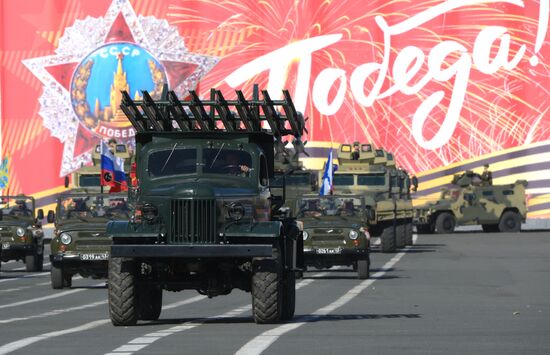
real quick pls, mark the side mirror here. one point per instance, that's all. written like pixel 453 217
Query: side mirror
pixel 66 181
pixel 415 183
pixel 1 214
pixel 51 216
pixel 40 214
pixel 370 213
pixel 314 182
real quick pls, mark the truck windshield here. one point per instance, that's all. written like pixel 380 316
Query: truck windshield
pixel 371 180
pixel 342 180
pixel 226 162
pixel 172 162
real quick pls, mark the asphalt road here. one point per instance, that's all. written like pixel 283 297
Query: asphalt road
pixel 454 294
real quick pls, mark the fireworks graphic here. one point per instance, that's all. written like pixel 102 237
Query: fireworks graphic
pixel 501 109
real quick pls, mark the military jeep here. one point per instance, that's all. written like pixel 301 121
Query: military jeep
pixel 334 232
pixel 473 200
pixel 21 233
pixel 205 218
pixel 80 245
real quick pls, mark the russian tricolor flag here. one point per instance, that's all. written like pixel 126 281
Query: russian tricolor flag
pixel 112 170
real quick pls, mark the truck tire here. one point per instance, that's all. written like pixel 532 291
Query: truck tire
pixel 400 235
pixel 490 228
pixel 387 239
pixel 408 233
pixel 267 290
pixel 123 292
pixel 289 296
pixel 40 260
pixel 510 222
pixel 363 269
pixel 60 279
pixel 445 223
pixel 150 303
pixel 31 262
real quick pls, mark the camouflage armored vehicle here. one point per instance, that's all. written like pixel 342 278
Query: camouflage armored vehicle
pixel 473 200
pixel 334 232
pixel 290 173
pixel 80 245
pixel 371 173
pixel 21 233
pixel 205 218
pixel 88 177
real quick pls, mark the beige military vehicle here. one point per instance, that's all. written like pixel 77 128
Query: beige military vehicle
pixel 472 199
pixel 372 174
pixel 88 177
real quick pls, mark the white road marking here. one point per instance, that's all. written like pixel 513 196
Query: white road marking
pixel 25 276
pixel 147 339
pixel 261 342
pixel 18 344
pixel 7 290
pixel 43 298
pixel 24 267
pixel 55 312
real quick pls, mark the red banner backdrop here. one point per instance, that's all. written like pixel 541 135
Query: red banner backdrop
pixel 436 82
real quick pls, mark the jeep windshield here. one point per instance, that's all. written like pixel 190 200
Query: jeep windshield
pixel 16 207
pixel 371 180
pixel 226 162
pixel 343 206
pixel 87 208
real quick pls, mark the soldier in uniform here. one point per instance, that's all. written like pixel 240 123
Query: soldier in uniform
pixel 355 153
pixel 487 175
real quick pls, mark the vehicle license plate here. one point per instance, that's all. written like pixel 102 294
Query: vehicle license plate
pixel 328 251
pixel 5 245
pixel 94 256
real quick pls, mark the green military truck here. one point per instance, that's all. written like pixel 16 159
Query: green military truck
pixel 334 232
pixel 21 234
pixel 205 218
pixel 474 200
pixel 372 173
pixel 80 245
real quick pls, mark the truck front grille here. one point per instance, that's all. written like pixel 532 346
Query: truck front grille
pixel 193 221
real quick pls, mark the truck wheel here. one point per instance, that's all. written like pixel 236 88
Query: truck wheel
pixel 150 303
pixel 40 260
pixel 267 290
pixel 363 269
pixel 490 228
pixel 400 235
pixel 289 296
pixel 445 223
pixel 56 275
pixel 510 222
pixel 31 262
pixel 387 239
pixel 123 292
pixel 408 233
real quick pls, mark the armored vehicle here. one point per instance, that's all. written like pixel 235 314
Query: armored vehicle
pixel 290 173
pixel 371 173
pixel 80 245
pixel 21 233
pixel 88 177
pixel 334 232
pixel 205 218
pixel 473 200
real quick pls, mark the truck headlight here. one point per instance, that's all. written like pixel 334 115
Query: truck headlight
pixel 305 235
pixel 20 232
pixel 65 238
pixel 235 211
pixel 353 235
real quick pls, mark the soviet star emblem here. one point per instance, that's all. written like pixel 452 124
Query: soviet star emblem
pixel 95 60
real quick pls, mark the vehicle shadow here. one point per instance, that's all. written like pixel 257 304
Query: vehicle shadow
pixel 306 318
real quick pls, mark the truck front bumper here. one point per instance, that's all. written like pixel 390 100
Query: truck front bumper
pixel 191 251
